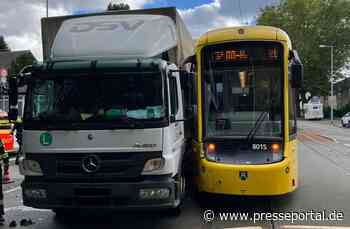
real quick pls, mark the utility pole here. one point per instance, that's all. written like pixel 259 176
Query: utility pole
pixel 332 80
pixel 332 85
pixel 47 8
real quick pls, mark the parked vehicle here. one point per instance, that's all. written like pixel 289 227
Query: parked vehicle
pixel 313 110
pixel 104 118
pixel 6 135
pixel 345 120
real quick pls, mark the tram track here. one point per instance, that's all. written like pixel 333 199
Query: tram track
pixel 314 145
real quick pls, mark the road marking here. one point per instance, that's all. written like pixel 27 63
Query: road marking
pixel 243 228
pixel 316 137
pixel 331 138
pixel 312 227
pixel 348 145
pixel 24 208
pixel 327 137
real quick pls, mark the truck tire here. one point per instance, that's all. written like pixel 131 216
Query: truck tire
pixel 181 193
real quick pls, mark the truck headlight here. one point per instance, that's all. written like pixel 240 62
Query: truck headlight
pixel 30 168
pixel 154 164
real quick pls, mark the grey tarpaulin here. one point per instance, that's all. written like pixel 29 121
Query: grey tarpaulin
pixel 184 42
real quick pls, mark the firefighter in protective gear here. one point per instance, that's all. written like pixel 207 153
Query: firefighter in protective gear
pixel 2 211
pixel 5 158
pixel 17 131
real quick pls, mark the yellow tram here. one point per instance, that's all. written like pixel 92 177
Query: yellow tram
pixel 245 136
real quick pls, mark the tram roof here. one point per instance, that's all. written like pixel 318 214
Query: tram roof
pixel 244 33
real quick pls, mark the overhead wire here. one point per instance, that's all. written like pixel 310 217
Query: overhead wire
pixel 240 11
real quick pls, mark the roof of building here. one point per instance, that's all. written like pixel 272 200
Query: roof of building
pixel 6 58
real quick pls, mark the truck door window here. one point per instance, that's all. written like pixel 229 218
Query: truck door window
pixel 173 96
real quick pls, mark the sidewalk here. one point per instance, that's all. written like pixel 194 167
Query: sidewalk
pixel 336 122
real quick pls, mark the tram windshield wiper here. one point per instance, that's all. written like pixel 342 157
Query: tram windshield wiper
pixel 256 126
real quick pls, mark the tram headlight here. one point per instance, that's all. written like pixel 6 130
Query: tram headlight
pixel 210 151
pixel 276 152
pixel 275 148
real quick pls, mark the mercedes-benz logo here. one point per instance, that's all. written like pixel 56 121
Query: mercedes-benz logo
pixel 91 163
pixel 90 137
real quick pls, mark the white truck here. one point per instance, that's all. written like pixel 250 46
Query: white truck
pixel 313 110
pixel 103 125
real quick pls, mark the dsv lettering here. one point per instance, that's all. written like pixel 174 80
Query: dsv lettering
pixel 105 26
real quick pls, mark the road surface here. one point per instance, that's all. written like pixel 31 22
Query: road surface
pixel 324 166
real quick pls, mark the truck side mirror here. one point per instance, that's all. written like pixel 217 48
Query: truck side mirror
pixel 24 76
pixel 13 99
pixel 297 71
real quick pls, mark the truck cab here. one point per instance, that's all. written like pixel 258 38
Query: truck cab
pixel 104 133
pixel 104 116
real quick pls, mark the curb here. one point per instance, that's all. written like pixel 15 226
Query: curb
pixel 329 138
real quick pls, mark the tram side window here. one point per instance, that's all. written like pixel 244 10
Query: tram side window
pixel 195 107
pixel 292 111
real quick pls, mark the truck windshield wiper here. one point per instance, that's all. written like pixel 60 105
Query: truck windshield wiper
pixel 256 126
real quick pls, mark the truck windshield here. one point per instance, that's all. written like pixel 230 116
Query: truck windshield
pixel 243 89
pixel 96 99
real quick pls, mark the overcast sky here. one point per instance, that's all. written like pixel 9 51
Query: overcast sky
pixel 20 19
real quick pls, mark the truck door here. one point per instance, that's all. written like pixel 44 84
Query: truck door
pixel 176 116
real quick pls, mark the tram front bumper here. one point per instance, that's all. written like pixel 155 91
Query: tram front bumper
pixel 250 180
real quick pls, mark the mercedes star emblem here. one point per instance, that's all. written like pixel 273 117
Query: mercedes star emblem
pixel 91 163
pixel 90 136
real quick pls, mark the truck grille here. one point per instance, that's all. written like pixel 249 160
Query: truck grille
pixel 69 166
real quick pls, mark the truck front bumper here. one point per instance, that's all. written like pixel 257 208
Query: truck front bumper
pixel 123 195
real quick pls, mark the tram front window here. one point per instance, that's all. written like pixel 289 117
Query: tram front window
pixel 243 88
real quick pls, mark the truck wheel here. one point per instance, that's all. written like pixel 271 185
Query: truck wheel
pixel 181 193
pixel 183 187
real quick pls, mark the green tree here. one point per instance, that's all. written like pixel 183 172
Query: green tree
pixel 118 6
pixel 22 61
pixel 310 23
pixel 3 45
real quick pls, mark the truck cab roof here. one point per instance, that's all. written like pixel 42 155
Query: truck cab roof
pixel 97 65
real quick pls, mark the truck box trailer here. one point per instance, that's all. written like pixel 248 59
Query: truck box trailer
pixel 183 49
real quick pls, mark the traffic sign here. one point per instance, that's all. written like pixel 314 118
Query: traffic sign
pixel 332 100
